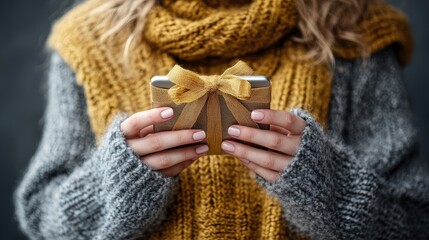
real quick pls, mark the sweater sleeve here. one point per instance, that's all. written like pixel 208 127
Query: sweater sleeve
pixel 366 182
pixel 75 190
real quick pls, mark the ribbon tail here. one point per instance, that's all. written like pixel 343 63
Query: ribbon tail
pixel 189 114
pixel 214 124
pixel 240 112
pixel 239 68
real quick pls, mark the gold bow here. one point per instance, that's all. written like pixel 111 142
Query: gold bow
pixel 196 90
pixel 191 86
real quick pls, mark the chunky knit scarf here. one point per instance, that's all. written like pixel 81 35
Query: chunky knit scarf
pixel 217 198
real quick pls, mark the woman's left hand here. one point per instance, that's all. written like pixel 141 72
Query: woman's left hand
pixel 284 137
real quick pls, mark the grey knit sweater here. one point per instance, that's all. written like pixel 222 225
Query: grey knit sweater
pixel 360 180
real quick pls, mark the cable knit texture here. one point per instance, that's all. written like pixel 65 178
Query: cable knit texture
pixel 216 190
pixel 363 179
pixel 173 33
pixel 73 190
pixel 352 180
pixel 360 180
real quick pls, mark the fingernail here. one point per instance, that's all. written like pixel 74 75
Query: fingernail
pixel 234 131
pixel 256 115
pixel 228 147
pixel 199 135
pixel 167 113
pixel 202 149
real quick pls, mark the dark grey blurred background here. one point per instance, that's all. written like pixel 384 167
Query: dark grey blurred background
pixel 23 61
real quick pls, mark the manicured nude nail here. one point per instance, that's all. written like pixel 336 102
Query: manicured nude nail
pixel 234 131
pixel 167 113
pixel 199 135
pixel 228 147
pixel 256 115
pixel 202 149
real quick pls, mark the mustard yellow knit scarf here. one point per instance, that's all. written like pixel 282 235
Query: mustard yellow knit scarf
pixel 217 198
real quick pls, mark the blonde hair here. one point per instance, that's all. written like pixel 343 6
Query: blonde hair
pixel 322 24
pixel 124 15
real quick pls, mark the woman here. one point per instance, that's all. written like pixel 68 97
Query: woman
pixel 340 162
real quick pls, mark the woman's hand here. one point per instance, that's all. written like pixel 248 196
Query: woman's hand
pixel 284 137
pixel 152 147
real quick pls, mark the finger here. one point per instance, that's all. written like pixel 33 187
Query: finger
pixel 269 175
pixel 285 119
pixel 270 160
pixel 145 131
pixel 279 129
pixel 176 169
pixel 168 158
pixel 132 126
pixel 164 140
pixel 267 138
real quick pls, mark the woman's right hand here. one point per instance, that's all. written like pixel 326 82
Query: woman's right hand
pixel 153 148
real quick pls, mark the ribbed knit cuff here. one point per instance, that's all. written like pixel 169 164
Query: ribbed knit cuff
pixel 118 196
pixel 304 187
pixel 325 193
pixel 311 152
pixel 121 166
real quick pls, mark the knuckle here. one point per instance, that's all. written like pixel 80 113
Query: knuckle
pixel 163 161
pixel 155 143
pixel 276 142
pixel 249 134
pixel 287 119
pixel 269 162
pixel 242 152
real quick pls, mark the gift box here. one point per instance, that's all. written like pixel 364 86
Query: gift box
pixel 211 102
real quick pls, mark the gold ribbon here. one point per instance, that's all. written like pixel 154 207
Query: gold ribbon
pixel 195 90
